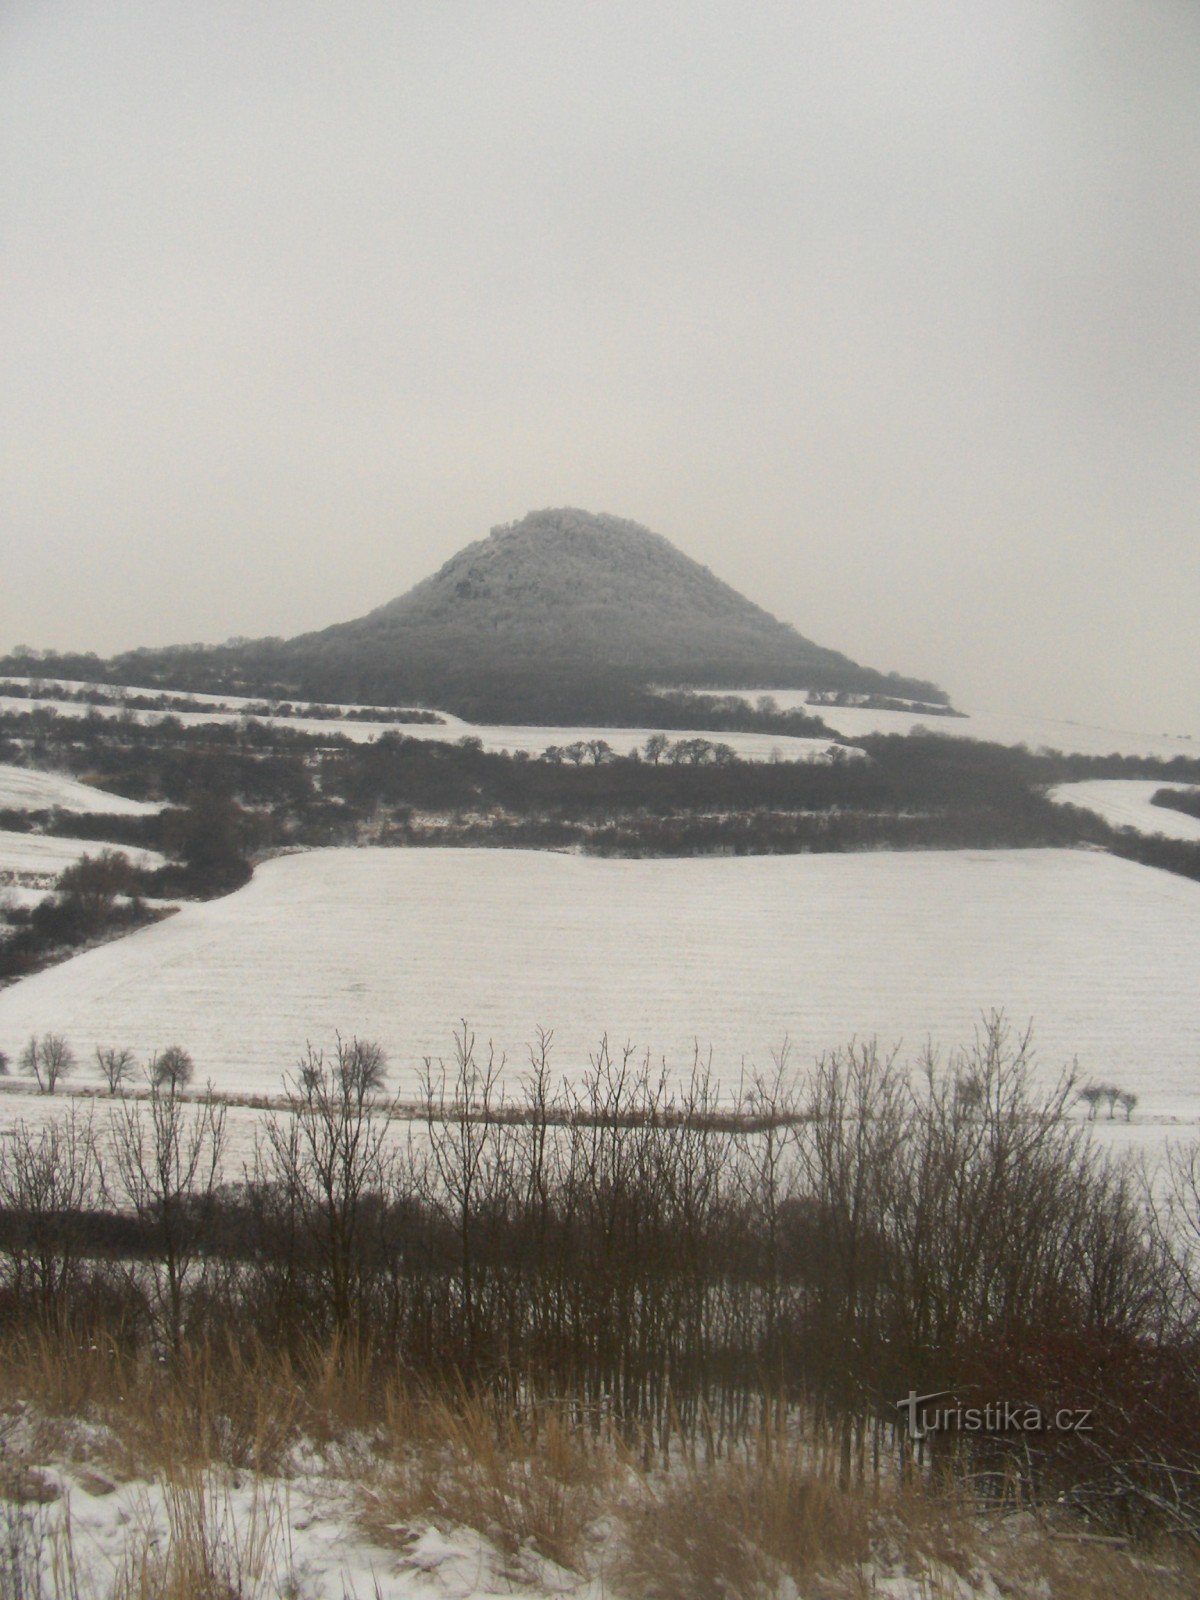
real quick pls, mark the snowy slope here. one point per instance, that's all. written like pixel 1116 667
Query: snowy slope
pixel 37 855
pixel 738 954
pixel 997 727
pixel 1125 803
pixel 28 789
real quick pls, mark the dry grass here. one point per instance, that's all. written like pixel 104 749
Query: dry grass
pixel 530 1481
pixel 537 1481
pixel 212 1551
pixel 1038 1562
pixel 738 1528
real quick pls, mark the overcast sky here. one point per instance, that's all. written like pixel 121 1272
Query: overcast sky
pixel 888 312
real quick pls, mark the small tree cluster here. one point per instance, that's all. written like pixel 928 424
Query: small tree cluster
pixel 1094 1095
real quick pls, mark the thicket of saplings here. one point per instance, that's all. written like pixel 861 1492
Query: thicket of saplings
pixel 649 1259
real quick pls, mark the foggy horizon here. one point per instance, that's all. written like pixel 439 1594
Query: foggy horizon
pixel 892 320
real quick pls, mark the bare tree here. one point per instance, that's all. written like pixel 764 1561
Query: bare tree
pixel 116 1066
pixel 48 1059
pixel 172 1069
pixel 1091 1094
pixel 331 1156
pixel 656 747
pixel 460 1117
pixel 361 1067
pixel 168 1156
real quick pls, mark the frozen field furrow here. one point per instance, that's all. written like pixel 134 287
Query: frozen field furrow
pixel 735 954
pixel 1125 803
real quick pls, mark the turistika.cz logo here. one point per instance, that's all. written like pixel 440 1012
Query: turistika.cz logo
pixel 924 1416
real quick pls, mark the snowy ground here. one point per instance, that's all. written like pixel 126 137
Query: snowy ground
pixel 497 737
pixel 295 1536
pixel 1125 803
pixel 35 858
pixel 998 727
pixel 737 954
pixel 89 1532
pixel 29 789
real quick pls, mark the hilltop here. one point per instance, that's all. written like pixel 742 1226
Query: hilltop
pixel 564 613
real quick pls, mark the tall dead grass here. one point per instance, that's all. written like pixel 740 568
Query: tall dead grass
pixel 215 1432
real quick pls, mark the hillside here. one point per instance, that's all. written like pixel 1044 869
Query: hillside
pixel 570 599
pixel 562 614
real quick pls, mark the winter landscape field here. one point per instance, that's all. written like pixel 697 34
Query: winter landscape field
pixel 993 724
pixel 735 957
pixel 509 738
pixel 599 801
pixel 29 858
pixel 1126 803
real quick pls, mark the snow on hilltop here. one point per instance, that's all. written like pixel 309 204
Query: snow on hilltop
pixel 594 591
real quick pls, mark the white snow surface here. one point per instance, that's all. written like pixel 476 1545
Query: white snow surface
pixel 31 857
pixel 297 1535
pixel 737 954
pixel 293 1536
pixel 993 726
pixel 30 789
pixel 1125 803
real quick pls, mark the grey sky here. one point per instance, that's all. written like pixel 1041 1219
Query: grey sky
pixel 889 313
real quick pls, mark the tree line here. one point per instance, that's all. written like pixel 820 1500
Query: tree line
pixel 630 1248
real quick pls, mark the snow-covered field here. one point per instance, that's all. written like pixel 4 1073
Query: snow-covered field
pixel 851 722
pixel 998 727
pixel 32 858
pixel 737 954
pixel 28 789
pixel 1125 803
pixel 493 736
